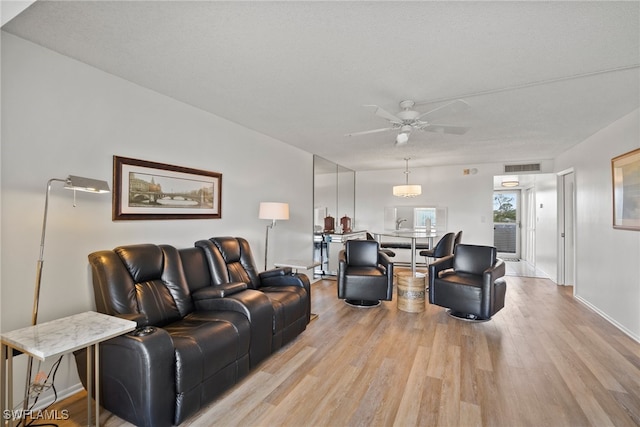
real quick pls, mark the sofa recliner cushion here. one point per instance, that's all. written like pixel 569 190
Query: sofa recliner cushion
pixel 161 292
pixel 287 305
pixel 230 260
pixel 205 343
pixel 155 301
pixel 238 263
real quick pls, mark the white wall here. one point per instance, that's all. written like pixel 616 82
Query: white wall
pixel 62 117
pixel 608 271
pixel 468 198
pixel 607 260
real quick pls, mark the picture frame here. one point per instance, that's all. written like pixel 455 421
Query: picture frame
pixel 144 190
pixel 625 177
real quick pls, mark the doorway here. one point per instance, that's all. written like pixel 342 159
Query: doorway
pixel 506 223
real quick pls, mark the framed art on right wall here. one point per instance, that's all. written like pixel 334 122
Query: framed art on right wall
pixel 625 176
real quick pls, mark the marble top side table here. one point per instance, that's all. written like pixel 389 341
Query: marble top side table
pixel 56 338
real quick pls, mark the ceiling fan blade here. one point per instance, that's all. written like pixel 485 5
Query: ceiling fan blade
pixel 454 130
pixel 452 107
pixel 366 132
pixel 381 112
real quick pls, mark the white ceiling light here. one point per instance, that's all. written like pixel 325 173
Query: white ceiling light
pixel 510 183
pixel 407 190
pixel 403 136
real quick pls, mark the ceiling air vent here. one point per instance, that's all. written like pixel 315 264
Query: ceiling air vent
pixel 532 167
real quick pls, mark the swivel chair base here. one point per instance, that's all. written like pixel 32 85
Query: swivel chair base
pixel 466 316
pixel 362 303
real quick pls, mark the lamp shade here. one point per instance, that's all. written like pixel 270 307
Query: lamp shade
pixel 273 210
pixel 86 184
pixel 408 190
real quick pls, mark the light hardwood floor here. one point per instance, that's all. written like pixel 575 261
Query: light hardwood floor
pixel 544 360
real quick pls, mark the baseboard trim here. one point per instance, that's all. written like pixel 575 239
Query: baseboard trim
pixel 609 319
pixel 62 394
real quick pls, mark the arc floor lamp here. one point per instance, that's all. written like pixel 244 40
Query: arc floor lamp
pixel 75 183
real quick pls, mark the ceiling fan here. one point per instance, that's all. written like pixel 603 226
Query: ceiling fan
pixel 408 120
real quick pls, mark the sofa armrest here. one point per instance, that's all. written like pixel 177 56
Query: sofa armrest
pixel 275 272
pixel 291 279
pixel 218 291
pixel 139 318
pixel 135 374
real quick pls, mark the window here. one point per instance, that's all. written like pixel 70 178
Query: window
pixel 424 218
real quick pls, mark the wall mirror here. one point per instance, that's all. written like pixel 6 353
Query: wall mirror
pixel 334 189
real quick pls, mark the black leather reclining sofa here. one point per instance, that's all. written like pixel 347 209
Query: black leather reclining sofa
pixel 205 318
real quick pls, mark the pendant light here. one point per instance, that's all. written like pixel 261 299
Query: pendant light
pixel 407 190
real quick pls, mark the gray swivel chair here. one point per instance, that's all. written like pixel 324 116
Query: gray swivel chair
pixel 469 283
pixel 365 274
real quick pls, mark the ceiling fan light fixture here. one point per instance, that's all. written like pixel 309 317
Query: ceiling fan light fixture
pixel 402 138
pixel 407 190
pixel 409 120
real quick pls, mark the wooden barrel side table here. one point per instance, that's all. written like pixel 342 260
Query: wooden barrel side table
pixel 411 291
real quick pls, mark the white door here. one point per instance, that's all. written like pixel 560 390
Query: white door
pixel 529 225
pixel 566 220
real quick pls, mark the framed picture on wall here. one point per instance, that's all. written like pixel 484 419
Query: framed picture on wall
pixel 144 190
pixel 625 175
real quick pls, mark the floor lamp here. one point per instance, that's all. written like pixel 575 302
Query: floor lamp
pixel 273 211
pixel 72 183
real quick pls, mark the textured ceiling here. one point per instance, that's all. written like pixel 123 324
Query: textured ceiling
pixel 539 76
